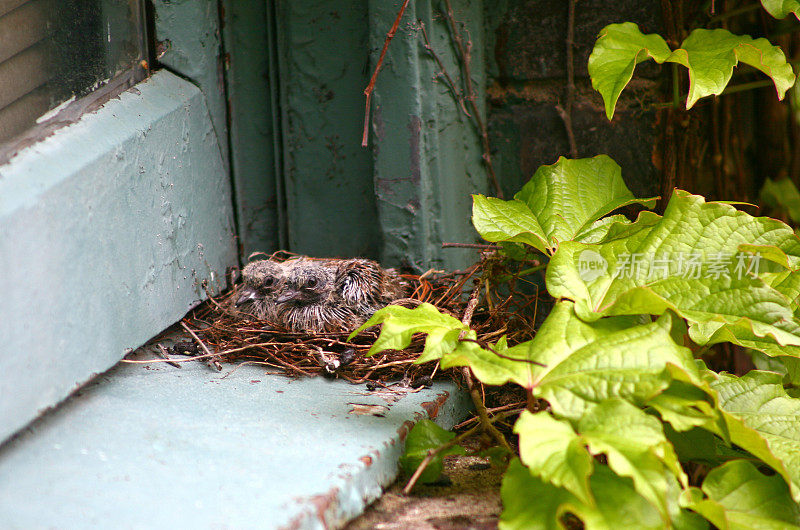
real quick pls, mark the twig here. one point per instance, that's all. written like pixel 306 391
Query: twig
pixel 465 52
pixel 485 346
pixel 566 112
pixel 455 441
pixel 480 407
pixel 457 95
pixel 212 362
pixel 479 246
pixel 371 86
pixel 163 352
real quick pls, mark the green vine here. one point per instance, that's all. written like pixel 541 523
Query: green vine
pixel 637 430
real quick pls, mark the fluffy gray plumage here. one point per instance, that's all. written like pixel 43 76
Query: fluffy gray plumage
pixel 262 281
pixel 334 294
pixel 317 295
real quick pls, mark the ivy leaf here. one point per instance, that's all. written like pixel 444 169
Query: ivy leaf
pixel 711 55
pixel 585 363
pixel 782 8
pixel 636 447
pixel 649 269
pixel 738 496
pixel 619 48
pixel 530 503
pixel 762 419
pixel 561 202
pixel 497 220
pixel 568 197
pixel 552 451
pixel 699 445
pixel 426 436
pixel 782 195
pixel 685 406
pixel 400 324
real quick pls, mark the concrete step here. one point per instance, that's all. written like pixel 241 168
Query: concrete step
pixel 154 446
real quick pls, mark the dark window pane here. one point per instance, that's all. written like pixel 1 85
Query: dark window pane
pixel 52 51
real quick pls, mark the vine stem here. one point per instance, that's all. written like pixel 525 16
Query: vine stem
pixel 371 86
pixel 455 441
pixel 465 53
pixel 566 111
pixel 474 392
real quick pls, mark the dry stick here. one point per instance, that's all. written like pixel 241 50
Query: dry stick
pixel 457 95
pixel 479 246
pixel 474 393
pixel 371 86
pixel 163 352
pixel 212 362
pixel 566 113
pixel 433 452
pixel 465 52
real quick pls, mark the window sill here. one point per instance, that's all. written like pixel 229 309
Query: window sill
pixel 107 229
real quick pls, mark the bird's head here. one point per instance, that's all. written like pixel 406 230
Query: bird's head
pixel 307 282
pixel 261 280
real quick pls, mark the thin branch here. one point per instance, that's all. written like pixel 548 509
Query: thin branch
pixel 371 86
pixel 455 441
pixel 477 400
pixel 485 346
pixel 457 95
pixel 465 53
pixel 469 245
pixel 212 359
pixel 566 112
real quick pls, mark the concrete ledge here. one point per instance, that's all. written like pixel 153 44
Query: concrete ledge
pixel 107 228
pixel 160 447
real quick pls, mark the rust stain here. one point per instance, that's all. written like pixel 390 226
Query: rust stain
pixel 324 503
pixel 433 407
pixel 367 460
pixel 404 429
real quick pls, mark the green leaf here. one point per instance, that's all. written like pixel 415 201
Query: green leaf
pixel 568 197
pixel 636 447
pixel 688 261
pixel 426 436
pixel 586 363
pixel 739 497
pixel 497 220
pixel 782 8
pixel 619 48
pixel 763 420
pixel 552 451
pixel 699 445
pixel 782 195
pixel 685 406
pixel 711 55
pixel 562 201
pixel 399 325
pixel 530 503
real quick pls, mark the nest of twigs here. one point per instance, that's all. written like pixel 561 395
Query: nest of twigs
pixel 221 335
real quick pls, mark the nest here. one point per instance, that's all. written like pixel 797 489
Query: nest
pixel 220 335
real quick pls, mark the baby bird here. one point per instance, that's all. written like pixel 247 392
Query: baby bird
pixel 310 300
pixel 262 282
pixel 366 286
pixel 334 294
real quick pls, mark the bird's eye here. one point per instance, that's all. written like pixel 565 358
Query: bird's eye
pixel 269 281
pixel 312 282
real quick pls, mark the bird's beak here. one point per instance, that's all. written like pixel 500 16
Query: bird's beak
pixel 246 296
pixel 287 295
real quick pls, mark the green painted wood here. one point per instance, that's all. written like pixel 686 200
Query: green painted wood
pixel 427 155
pixel 107 229
pixel 161 447
pixel 254 131
pixel 323 50
pixel 188 44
